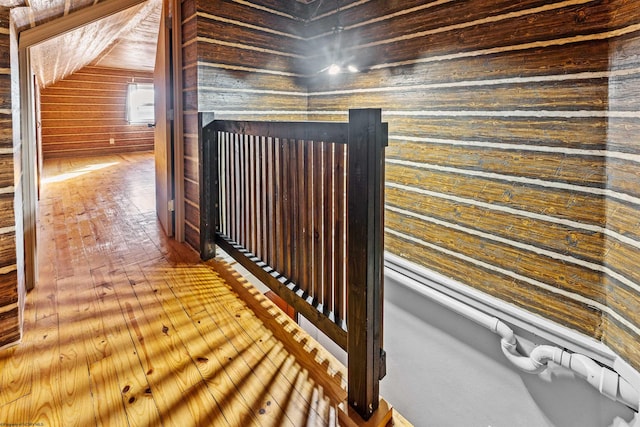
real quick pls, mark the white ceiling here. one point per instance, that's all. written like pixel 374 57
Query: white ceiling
pixel 124 40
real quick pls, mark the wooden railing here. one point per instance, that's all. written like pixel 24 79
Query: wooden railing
pixel 300 205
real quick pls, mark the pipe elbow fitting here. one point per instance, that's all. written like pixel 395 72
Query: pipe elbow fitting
pixel 545 353
pixel 524 363
pixel 505 332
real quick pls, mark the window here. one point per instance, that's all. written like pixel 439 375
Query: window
pixel 140 103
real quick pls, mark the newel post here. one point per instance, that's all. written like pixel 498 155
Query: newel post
pixel 365 183
pixel 209 184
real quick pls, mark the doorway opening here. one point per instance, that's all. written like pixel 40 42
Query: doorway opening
pixel 51 55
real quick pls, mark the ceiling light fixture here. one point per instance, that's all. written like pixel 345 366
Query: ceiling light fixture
pixel 339 63
pixel 334 69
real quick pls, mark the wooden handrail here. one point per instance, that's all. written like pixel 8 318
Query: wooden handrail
pixel 300 205
pixel 297 131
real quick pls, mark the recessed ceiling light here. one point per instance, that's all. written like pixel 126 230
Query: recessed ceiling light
pixel 334 69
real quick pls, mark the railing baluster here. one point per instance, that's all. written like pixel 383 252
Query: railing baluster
pixel 280 233
pixel 230 183
pixel 253 183
pixel 222 168
pixel 294 186
pixel 328 232
pixel 272 234
pixel 340 212
pixel 262 197
pixel 256 196
pixel 318 209
pixel 237 232
pixel 246 166
pixel 249 172
pixel 301 229
pixel 308 208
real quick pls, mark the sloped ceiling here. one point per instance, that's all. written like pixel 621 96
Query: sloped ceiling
pixel 124 40
pixel 101 43
pixel 135 48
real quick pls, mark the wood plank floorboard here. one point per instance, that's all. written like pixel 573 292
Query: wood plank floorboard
pixel 128 328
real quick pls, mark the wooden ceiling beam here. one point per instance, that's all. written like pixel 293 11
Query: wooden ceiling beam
pixel 72 21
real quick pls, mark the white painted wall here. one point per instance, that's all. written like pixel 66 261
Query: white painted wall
pixel 444 370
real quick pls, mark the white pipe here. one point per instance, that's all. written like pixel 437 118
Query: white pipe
pixel 606 381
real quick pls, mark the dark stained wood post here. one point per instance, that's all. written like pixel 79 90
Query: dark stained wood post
pixel 364 258
pixel 209 184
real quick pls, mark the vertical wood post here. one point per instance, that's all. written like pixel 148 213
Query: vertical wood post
pixel 209 184
pixel 364 258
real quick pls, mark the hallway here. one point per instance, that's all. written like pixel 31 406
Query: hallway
pixel 127 327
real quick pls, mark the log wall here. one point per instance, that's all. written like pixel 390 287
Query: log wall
pixel 239 62
pixel 514 161
pixel 80 114
pixel 622 242
pixel 11 267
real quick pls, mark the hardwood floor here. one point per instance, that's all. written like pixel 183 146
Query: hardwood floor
pixel 126 327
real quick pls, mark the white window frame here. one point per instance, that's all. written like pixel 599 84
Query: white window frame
pixel 140 100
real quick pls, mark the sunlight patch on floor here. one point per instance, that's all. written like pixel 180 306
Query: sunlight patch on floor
pixel 79 172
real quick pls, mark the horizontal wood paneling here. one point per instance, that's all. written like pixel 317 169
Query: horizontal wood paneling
pixel 7 210
pixel 555 61
pixel 5 100
pixel 534 96
pixel 513 162
pixel 528 263
pixel 623 214
pixel 621 134
pixel 7 250
pixel 230 55
pixel 6 134
pixel 442 31
pixel 6 170
pixel 579 170
pixel 563 310
pixel 231 31
pixel 81 113
pixel 9 327
pixel 10 287
pixel 618 338
pixel 534 131
pixel 547 235
pixel 239 62
pixel 558 204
